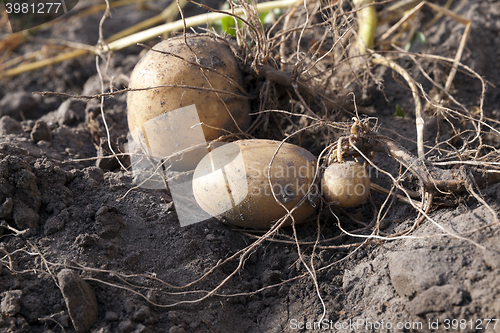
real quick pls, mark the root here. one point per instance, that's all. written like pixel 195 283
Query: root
pixel 419 121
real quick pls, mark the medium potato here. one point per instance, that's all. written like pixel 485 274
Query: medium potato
pixel 345 184
pixel 173 118
pixel 231 182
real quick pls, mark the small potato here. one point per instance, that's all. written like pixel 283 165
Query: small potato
pixel 232 183
pixel 345 184
pixel 184 111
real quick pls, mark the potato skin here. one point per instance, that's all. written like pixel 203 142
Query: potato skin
pixel 345 184
pixel 232 183
pixel 156 69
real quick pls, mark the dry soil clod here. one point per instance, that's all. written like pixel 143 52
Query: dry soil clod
pixel 80 300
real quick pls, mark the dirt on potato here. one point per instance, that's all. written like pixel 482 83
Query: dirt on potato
pixel 102 255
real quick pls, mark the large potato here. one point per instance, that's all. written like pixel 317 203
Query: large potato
pixel 185 112
pixel 232 183
pixel 345 184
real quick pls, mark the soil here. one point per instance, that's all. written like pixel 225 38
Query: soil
pixel 79 211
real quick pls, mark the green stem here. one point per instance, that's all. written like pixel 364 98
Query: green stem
pixel 193 21
pixel 142 36
pixel 367 23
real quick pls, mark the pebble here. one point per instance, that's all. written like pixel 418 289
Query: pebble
pixel 71 112
pixel 9 125
pixel 11 303
pixel 80 300
pixel 41 131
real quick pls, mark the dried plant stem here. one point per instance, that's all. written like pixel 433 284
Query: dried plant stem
pixel 380 60
pixel 400 197
pixel 142 36
pixel 443 11
pixel 367 24
pixel 167 15
pixel 193 21
pixel 42 63
pixel 432 178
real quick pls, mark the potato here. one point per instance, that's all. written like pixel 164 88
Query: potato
pixel 232 183
pixel 167 119
pixel 345 184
